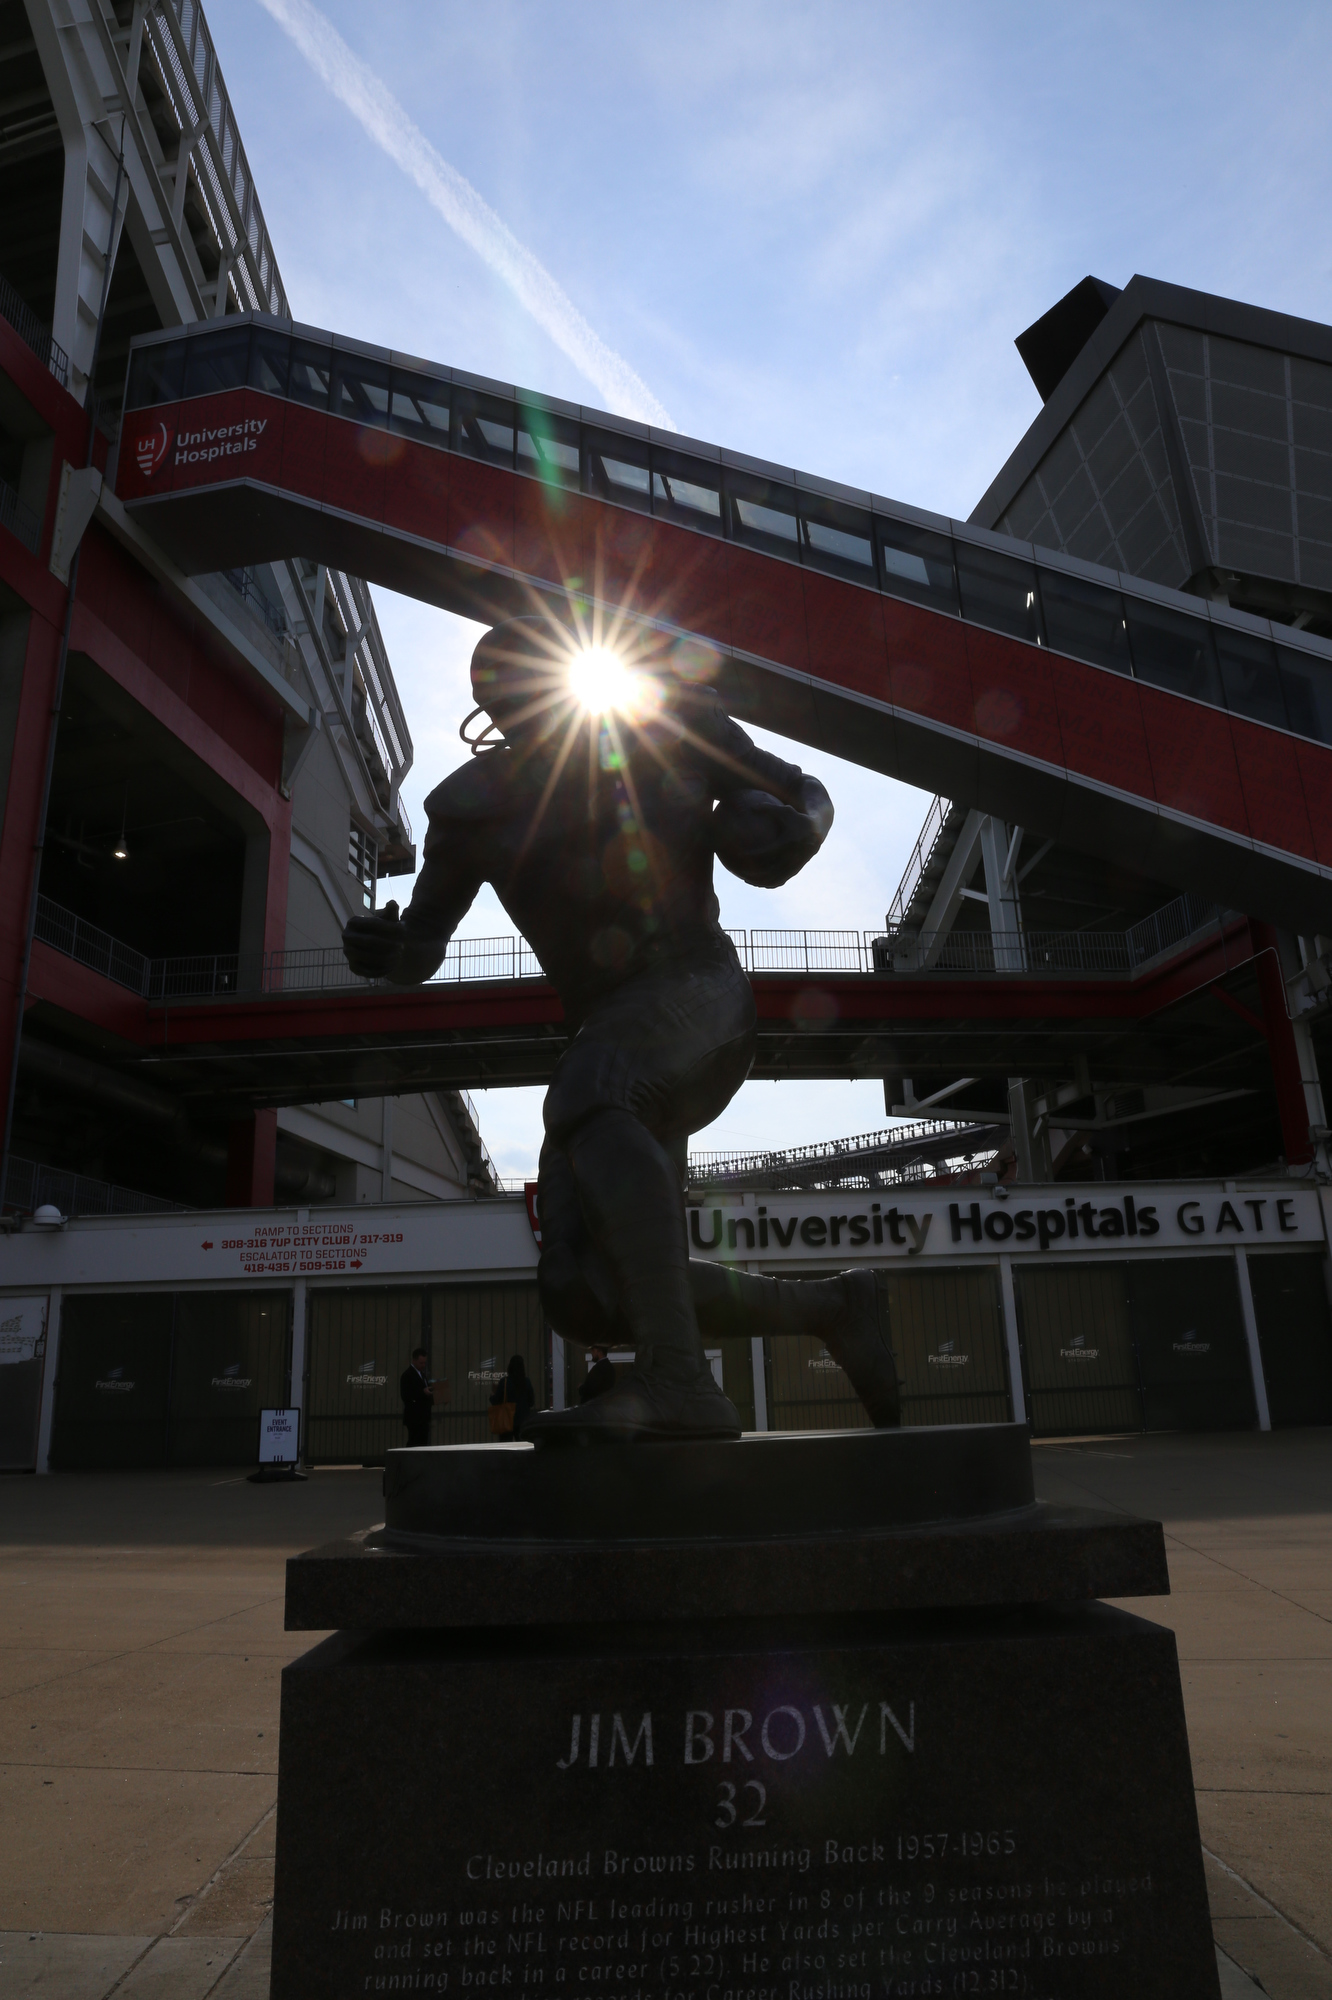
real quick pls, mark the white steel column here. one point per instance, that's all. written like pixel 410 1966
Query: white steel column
pixel 1011 1341
pixel 386 1144
pixel 51 1362
pixel 999 852
pixel 296 1384
pixel 1251 1336
pixel 760 1372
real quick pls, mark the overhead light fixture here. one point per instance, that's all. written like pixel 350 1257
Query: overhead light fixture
pixel 120 851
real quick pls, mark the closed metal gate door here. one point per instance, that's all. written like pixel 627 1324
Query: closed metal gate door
pixel 358 1344
pixel 807 1391
pixel 948 1340
pixel 162 1378
pixel 1295 1335
pixel 229 1363
pixel 475 1329
pixel 1193 1360
pixel 946 1331
pixel 22 1361
pixel 1077 1345
pixel 113 1388
pixel 360 1341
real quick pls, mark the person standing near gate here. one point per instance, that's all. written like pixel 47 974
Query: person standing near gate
pixel 418 1397
pixel 600 1374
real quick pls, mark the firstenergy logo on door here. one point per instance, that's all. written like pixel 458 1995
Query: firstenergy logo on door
pixel 199 447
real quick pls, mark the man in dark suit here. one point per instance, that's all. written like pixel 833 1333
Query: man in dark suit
pixel 418 1398
pixel 600 1375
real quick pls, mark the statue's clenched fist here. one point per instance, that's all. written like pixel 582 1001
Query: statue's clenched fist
pixel 373 944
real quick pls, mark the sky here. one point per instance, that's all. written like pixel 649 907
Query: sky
pixel 809 232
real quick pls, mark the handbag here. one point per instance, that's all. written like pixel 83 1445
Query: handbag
pixel 501 1419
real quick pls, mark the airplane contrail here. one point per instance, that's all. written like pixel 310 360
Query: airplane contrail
pixel 371 102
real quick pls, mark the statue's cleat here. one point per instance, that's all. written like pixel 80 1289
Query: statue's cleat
pixel 642 1407
pixel 854 1337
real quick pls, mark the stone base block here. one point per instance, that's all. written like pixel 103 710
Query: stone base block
pixel 942 1803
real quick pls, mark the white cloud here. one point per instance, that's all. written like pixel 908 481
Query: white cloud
pixel 374 106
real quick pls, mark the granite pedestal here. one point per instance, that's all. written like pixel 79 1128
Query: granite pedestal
pixel 883 1743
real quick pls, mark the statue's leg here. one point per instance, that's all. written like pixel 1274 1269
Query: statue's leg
pixel 676 1041
pixel 577 1286
pixel 846 1313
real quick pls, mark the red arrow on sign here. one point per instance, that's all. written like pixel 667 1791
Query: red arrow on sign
pixel 207 1246
pixel 355 1263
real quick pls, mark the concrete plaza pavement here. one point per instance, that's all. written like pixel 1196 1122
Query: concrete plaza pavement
pixel 141 1647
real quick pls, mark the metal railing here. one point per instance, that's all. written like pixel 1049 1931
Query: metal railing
pixel 28 1185
pixel 251 593
pixel 919 860
pixel 807 954
pixel 1168 927
pixel 894 1156
pixel 33 333
pixel 18 517
pixel 197 976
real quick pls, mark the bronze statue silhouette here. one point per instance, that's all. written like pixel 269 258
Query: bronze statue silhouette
pixel 597 822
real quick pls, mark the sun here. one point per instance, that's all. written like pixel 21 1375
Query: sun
pixel 602 683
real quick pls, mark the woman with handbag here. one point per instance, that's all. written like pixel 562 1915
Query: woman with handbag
pixel 511 1403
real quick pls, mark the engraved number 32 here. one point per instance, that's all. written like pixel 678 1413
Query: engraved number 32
pixel 726 1806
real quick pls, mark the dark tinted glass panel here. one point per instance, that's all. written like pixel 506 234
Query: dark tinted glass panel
pixel 311 372
pixel 217 361
pixel 1172 650
pixel 548 446
pixel 616 468
pixel 687 490
pixel 155 375
pixel 1086 620
pixel 762 514
pixel 1307 685
pixel 270 355
pixel 918 564
pixel 483 427
pixel 1000 592
pixel 360 390
pixel 419 408
pixel 837 538
pixel 1249 676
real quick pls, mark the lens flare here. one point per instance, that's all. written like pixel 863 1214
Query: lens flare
pixel 602 683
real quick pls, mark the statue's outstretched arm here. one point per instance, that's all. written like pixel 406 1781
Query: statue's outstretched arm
pixel 772 817
pixel 408 949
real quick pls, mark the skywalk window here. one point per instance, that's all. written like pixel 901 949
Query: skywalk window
pixel 1307 685
pixel 616 468
pixel 156 374
pixel 762 515
pixel 1172 650
pixel 311 373
pixel 419 407
pixel 360 389
pixel 999 591
pixel 1086 620
pixel 217 362
pixel 270 360
pixel 1250 676
pixel 687 490
pixel 917 563
pixel 548 446
pixel 483 427
pixel 836 538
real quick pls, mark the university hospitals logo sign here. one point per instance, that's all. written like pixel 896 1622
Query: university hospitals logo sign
pixel 152 449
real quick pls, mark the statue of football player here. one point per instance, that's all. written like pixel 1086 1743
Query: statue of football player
pixel 600 794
